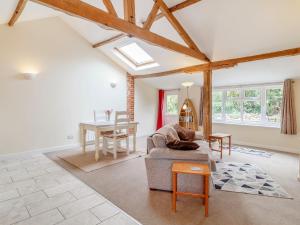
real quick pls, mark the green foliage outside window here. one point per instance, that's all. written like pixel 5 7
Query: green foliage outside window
pixel 252 93
pixel 172 104
pixel 233 110
pixel 252 110
pixel 233 93
pixel 217 97
pixel 273 108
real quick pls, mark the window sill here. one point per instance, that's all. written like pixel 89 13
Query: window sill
pixel 248 124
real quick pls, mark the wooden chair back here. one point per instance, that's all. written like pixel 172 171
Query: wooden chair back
pixel 121 121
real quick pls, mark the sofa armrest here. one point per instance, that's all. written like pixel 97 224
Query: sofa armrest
pixel 171 154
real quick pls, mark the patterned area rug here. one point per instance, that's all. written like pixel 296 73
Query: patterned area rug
pixel 251 151
pixel 246 178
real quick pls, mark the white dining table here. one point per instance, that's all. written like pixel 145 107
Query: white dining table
pixel 101 126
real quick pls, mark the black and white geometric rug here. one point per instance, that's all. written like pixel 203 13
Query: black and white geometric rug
pixel 251 151
pixel 246 178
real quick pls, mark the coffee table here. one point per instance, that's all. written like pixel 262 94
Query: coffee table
pixel 190 168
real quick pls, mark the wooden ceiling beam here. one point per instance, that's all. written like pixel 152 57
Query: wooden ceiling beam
pixel 222 64
pixel 288 52
pixel 110 8
pixel 129 11
pixel 18 11
pixel 94 14
pixel 151 17
pixel 190 69
pixel 150 20
pixel 112 39
pixel 177 26
pixel 177 7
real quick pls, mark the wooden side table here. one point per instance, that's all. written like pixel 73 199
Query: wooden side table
pixel 220 138
pixel 188 168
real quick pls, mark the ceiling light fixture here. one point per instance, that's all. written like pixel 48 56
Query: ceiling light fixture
pixel 187 84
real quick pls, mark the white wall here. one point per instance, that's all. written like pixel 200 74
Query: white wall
pixel 73 80
pixel 265 137
pixel 146 104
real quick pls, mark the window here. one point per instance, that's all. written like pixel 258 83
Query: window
pixel 217 106
pixel 172 104
pixel 233 105
pixel 136 57
pixel 257 105
pixel 273 104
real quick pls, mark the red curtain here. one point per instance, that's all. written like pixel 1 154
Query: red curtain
pixel 160 114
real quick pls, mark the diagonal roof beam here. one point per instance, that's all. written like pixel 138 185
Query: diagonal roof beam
pixel 112 39
pixel 94 14
pixel 177 26
pixel 224 63
pixel 177 7
pixel 151 16
pixel 110 8
pixel 20 7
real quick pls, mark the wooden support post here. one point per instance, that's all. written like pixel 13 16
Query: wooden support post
pixel 129 11
pixel 207 103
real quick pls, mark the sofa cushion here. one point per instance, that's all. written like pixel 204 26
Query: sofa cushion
pixel 159 141
pixel 169 154
pixel 167 129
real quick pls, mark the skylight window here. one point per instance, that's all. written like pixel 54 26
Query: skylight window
pixel 136 57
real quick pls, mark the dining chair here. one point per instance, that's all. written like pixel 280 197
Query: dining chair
pixel 120 132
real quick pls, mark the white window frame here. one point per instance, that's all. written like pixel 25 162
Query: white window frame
pixel 131 62
pixel 263 100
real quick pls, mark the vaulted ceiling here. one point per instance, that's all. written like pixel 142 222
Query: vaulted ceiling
pixel 221 29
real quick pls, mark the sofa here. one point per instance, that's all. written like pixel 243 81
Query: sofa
pixel 160 159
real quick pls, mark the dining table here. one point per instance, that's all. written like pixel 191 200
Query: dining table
pixel 100 127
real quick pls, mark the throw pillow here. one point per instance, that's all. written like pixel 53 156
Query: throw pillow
pixel 183 145
pixel 184 133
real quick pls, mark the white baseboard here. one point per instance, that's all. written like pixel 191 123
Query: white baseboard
pixel 270 147
pixel 41 150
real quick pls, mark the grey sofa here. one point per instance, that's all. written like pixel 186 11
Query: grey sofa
pixel 160 159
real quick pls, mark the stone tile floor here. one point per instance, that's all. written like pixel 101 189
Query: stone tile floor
pixel 36 191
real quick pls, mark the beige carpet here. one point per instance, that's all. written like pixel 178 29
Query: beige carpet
pixel 87 163
pixel 125 184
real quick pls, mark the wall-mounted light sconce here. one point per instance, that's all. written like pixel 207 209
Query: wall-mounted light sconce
pixel 113 84
pixel 29 76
